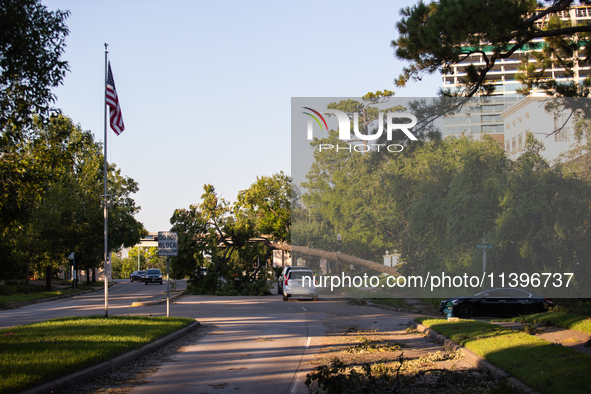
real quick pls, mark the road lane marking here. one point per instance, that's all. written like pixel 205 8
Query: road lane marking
pixel 295 385
pixel 305 309
pixel 308 342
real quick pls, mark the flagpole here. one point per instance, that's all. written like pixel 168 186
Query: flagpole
pixel 106 198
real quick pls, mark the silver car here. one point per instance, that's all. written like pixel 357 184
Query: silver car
pixel 300 283
pixel 284 274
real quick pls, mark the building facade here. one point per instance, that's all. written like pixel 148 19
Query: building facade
pixel 484 115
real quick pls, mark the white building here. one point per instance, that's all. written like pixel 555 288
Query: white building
pixel 485 115
pixel 554 130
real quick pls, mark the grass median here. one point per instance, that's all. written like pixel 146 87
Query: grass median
pixel 544 366
pixel 566 320
pixel 37 353
pixel 569 313
pixel 12 295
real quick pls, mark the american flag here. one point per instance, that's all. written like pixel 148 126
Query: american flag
pixel 113 103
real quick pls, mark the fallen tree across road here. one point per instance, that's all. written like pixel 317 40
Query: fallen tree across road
pixel 333 256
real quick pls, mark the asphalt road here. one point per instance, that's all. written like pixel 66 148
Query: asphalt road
pixel 121 295
pixel 260 344
pixel 250 344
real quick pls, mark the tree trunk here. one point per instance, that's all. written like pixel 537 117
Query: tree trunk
pixel 27 276
pixel 93 275
pixel 333 256
pixel 48 278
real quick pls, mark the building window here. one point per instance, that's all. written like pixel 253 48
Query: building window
pixel 561 128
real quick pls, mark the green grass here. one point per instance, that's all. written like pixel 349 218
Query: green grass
pixel 433 301
pixel 37 353
pixel 570 321
pixel 13 294
pixel 7 300
pixel 573 305
pixel 544 366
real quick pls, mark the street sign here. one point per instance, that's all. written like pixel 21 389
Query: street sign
pixel 484 246
pixel 167 243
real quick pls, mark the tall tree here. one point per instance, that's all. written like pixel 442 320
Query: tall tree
pixel 63 213
pixel 268 202
pixel 32 40
pixel 194 241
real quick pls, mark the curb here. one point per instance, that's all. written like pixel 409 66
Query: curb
pixel 473 358
pixel 162 301
pixel 90 372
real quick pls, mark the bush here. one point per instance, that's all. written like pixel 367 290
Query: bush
pixel 16 288
pixel 212 284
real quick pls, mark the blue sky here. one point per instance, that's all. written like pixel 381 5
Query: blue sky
pixel 205 87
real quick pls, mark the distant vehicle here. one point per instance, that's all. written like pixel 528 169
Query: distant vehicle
pixel 136 275
pixel 300 283
pixel 502 301
pixel 153 276
pixel 286 270
pixel 142 275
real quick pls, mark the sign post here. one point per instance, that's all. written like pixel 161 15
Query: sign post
pixel 73 258
pixel 167 246
pixel 484 246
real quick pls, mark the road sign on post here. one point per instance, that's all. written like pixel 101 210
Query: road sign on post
pixel 167 243
pixel 167 246
pixel 484 246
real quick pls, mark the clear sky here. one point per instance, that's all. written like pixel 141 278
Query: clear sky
pixel 205 86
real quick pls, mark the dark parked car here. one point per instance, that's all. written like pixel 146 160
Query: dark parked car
pixel 142 276
pixel 136 275
pixel 153 276
pixel 504 301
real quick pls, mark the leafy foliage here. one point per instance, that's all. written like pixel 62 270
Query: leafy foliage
pixel 32 40
pixel 437 199
pixel 231 240
pixel 59 208
pixel 438 35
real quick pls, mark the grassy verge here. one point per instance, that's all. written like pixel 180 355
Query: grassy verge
pixel 37 353
pixel 544 366
pixel 433 301
pixel 570 321
pixel 7 300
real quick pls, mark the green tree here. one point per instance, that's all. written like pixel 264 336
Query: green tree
pixel 123 266
pixel 544 216
pixel 233 240
pixel 32 40
pixel 268 202
pixel 194 241
pixel 63 215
